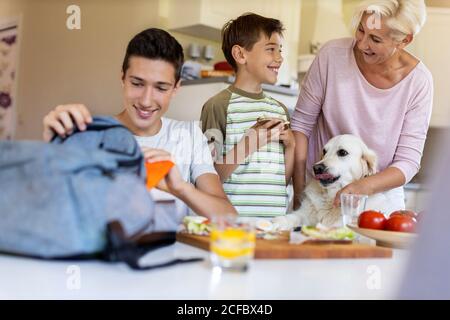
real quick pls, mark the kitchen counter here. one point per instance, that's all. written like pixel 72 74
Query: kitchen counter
pixel 230 80
pixel 266 279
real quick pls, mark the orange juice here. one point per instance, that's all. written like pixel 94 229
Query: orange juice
pixel 232 247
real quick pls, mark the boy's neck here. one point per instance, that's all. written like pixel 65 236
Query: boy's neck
pixel 246 82
pixel 148 132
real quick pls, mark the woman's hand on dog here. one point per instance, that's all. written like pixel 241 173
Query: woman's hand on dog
pixel 63 118
pixel 357 187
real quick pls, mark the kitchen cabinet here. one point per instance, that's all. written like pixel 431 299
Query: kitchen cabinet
pixel 432 47
pixel 192 16
pixel 205 19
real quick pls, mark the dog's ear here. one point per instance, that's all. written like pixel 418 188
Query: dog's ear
pixel 370 162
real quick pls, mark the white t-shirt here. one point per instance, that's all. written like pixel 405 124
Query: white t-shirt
pixel 189 147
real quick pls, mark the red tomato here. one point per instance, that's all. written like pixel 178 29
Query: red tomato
pixel 371 219
pixel 409 213
pixel 401 223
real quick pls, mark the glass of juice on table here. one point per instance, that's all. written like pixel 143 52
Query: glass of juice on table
pixel 232 243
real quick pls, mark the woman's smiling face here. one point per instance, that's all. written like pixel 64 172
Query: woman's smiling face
pixel 374 40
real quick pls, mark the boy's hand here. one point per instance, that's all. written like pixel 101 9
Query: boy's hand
pixel 62 119
pixel 263 133
pixel 287 138
pixel 172 183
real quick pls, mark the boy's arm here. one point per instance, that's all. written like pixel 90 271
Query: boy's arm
pixel 289 155
pixel 237 155
pixel 207 197
pixel 300 156
pixel 288 140
pixel 256 137
pixel 214 118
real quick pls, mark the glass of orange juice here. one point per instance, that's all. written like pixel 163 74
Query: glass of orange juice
pixel 232 243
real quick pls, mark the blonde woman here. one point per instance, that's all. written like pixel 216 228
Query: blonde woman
pixel 372 87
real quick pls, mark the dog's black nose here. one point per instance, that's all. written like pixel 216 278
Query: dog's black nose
pixel 319 168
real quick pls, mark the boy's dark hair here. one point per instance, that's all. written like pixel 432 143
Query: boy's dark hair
pixel 155 44
pixel 245 32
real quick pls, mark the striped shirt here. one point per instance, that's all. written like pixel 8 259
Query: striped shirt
pixel 258 186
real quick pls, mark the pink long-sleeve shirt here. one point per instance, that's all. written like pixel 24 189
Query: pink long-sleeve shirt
pixel 336 98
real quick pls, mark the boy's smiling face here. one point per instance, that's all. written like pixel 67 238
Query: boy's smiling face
pixel 264 60
pixel 148 87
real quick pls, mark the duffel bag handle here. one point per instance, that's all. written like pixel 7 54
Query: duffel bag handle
pixel 130 250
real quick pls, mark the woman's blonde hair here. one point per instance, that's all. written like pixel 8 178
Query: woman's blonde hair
pixel 403 17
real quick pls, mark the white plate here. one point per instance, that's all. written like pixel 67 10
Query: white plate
pixel 389 239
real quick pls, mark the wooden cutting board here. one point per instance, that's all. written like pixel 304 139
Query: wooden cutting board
pixel 282 249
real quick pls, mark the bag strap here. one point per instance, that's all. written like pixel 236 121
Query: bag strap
pixel 130 250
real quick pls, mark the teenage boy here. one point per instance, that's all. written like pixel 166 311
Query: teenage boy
pixel 150 77
pixel 255 159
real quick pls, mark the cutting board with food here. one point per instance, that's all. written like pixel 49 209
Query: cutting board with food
pixel 282 249
pixel 281 246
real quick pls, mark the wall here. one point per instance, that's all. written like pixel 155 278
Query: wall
pixel 438 3
pixel 307 23
pixel 8 8
pixel 309 13
pixel 61 66
pixel 58 65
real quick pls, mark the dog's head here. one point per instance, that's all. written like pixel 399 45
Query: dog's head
pixel 345 159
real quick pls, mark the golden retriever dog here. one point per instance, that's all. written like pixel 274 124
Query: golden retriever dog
pixel 345 159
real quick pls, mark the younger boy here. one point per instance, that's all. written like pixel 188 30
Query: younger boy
pixel 255 159
pixel 150 77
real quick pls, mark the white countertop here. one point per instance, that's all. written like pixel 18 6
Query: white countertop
pixel 266 279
